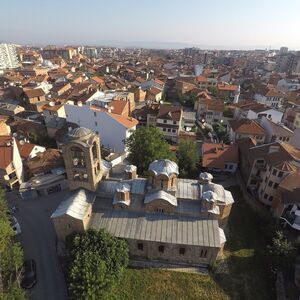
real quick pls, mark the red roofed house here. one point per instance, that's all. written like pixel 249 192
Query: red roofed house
pixel 34 99
pixel 264 167
pixel 220 157
pixel 169 121
pixel 228 92
pixel 269 95
pixel 245 128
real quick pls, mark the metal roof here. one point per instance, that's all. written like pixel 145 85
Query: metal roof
pixel 187 189
pixel 75 204
pixel 158 228
pixel 163 166
pixel 160 195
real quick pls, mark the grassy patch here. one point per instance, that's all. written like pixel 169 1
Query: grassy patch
pixel 162 285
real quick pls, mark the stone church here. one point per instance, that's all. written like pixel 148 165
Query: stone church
pixel 161 217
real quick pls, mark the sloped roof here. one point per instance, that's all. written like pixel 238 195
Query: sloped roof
pixel 75 205
pixel 170 111
pixel 160 195
pixel 34 93
pixel 246 126
pixel 217 155
pixel 126 122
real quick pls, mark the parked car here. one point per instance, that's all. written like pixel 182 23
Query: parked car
pixel 29 274
pixel 14 224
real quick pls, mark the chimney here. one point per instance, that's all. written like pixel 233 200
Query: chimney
pixel 130 172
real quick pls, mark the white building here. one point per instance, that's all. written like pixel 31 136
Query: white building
pixel 112 128
pixel 269 113
pixel 8 56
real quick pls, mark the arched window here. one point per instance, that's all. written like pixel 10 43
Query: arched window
pixel 95 151
pixel 78 158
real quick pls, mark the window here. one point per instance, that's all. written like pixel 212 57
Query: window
pixel 270 183
pixel 181 251
pixel 174 122
pixel 165 121
pixel 173 130
pixel 266 196
pixel 274 172
pixel 95 114
pixel 203 253
pixel 260 161
pixel 280 174
pixel 96 124
pixel 230 167
pixel 161 249
pixel 169 130
pixel 140 246
pixel 159 210
pixel 275 185
pixel 164 129
pixel 271 198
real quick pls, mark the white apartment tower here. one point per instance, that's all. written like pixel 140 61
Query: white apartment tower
pixel 8 56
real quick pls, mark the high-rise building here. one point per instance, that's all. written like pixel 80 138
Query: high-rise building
pixel 91 52
pixel 8 56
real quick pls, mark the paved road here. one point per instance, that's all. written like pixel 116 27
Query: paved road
pixel 38 240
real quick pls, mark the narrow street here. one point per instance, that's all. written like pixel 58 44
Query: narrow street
pixel 38 241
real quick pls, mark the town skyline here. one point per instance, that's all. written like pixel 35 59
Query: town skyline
pixel 204 25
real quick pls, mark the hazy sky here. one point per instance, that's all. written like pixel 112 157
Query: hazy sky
pixel 213 23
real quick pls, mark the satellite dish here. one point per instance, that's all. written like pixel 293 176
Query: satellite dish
pixel 85 176
pixel 52 103
pixel 22 142
pixel 6 177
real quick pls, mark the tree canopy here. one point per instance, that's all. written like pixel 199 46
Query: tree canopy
pixel 147 144
pixel 11 258
pixel 96 262
pixel 187 158
pixel 281 252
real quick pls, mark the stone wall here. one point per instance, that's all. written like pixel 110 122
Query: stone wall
pixel 172 252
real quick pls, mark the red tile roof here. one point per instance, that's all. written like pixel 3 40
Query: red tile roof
pixel 246 126
pixel 217 155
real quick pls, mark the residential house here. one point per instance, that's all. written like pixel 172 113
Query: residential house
pixel 169 121
pixel 263 167
pixel 228 92
pixel 100 119
pixel 275 132
pixel 34 99
pixel 11 166
pixel 291 118
pixel 220 157
pixel 209 110
pixel 53 110
pixel 269 95
pixel 245 128
pixel 28 150
pixel 286 203
pixel 252 110
pixel 10 109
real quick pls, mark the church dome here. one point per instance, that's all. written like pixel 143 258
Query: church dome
pixel 163 167
pixel 79 133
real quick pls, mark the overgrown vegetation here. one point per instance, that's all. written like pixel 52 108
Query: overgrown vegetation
pixel 96 262
pixel 11 258
pixel 147 144
pixel 245 272
pixel 221 133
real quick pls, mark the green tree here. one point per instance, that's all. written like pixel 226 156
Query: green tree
pixel 147 144
pixel 187 157
pixel 97 260
pixel 281 252
pixel 11 258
